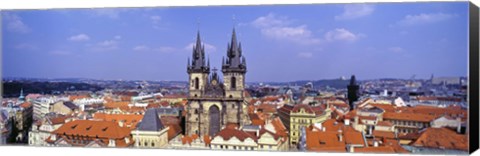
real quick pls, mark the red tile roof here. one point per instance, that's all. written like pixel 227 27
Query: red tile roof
pixel 443 138
pixel 26 105
pixel 408 116
pixel 130 120
pixel 102 129
pixel 228 133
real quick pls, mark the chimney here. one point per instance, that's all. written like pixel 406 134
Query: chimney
pixel 356 120
pixel 350 149
pixel 323 129
pixel 347 122
pixel 375 143
pixel 459 125
pixel 340 135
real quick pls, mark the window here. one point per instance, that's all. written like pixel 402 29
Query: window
pixel 233 105
pixel 196 83
pixel 233 83
pixel 153 144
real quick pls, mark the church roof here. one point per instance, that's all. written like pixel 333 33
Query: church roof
pixel 151 121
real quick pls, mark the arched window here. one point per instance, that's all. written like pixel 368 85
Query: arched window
pixel 233 83
pixel 196 83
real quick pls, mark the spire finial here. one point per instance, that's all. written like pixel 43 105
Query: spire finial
pixel 234 20
pixel 198 24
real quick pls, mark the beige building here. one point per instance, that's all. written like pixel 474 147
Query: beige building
pixel 64 107
pixel 41 130
pixel 267 138
pixel 302 115
pixel 151 133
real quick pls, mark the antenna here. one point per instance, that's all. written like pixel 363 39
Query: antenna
pixel 234 20
pixel 198 24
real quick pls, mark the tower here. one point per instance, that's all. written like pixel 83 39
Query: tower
pixel 352 91
pixel 21 98
pixel 213 104
pixel 234 69
pixel 198 69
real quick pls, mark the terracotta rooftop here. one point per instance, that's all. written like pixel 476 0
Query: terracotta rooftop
pixel 100 129
pixel 26 105
pixel 228 133
pixel 383 134
pixel 442 138
pixel 408 116
pixel 130 120
pixel 380 149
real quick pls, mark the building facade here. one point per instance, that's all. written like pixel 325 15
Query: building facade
pixel 302 115
pixel 213 103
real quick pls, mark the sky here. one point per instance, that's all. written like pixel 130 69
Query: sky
pixel 280 42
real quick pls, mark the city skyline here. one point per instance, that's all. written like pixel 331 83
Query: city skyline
pixel 323 42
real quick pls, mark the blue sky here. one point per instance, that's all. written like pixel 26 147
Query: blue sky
pixel 280 42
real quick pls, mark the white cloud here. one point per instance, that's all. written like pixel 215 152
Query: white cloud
pixel 117 37
pixel 208 47
pixel 305 55
pixel 341 34
pixel 113 13
pixel 15 24
pixel 280 28
pixel 141 48
pixel 156 21
pixel 424 18
pixel 79 37
pixel 106 45
pixel 353 11
pixel 396 49
pixel 164 49
pixel 155 18
pixel 26 46
pixel 60 52
pixel 271 20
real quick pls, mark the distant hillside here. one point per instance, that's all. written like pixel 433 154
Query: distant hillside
pixel 12 88
pixel 332 83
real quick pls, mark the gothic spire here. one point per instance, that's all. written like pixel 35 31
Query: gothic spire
pixel 199 64
pixel 234 60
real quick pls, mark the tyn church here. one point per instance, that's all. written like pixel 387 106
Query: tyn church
pixel 212 104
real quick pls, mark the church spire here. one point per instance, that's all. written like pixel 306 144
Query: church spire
pixel 234 60
pixel 199 63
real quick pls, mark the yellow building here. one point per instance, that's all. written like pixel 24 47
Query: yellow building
pixel 302 115
pixel 151 133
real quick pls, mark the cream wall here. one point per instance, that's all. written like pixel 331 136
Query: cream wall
pixel 150 139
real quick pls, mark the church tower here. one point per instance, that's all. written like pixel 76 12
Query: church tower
pixel 213 104
pixel 234 69
pixel 198 69
pixel 352 92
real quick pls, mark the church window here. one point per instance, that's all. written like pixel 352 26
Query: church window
pixel 196 83
pixel 233 83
